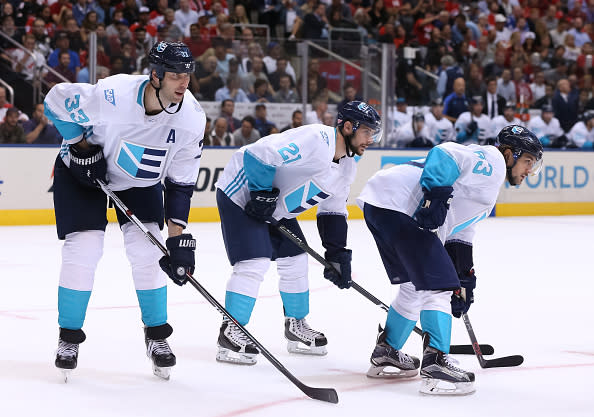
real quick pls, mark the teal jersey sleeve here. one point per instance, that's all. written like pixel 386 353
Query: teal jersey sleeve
pixel 440 170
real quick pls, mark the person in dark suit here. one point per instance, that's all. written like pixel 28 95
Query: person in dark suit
pixel 565 104
pixel 315 24
pixel 494 103
pixel 547 99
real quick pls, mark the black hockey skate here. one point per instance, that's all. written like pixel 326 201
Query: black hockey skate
pixel 234 346
pixel 303 339
pixel 441 376
pixel 158 350
pixel 387 362
pixel 67 353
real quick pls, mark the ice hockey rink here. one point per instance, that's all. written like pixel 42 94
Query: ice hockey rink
pixel 533 298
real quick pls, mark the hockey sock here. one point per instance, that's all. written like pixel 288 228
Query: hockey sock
pixel 240 306
pixel 296 304
pixel 72 307
pixel 153 306
pixel 398 328
pixel 439 326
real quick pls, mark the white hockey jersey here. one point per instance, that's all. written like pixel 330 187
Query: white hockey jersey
pixel 404 135
pixel 475 172
pixel 480 136
pixel 581 136
pixel 541 129
pixel 439 130
pixel 140 150
pixel 398 119
pixel 299 163
pixel 499 122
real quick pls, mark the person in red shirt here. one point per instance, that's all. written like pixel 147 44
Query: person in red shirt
pixel 424 27
pixel 58 8
pixel 143 21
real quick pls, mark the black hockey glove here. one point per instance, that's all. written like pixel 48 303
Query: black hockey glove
pixel 434 208
pixel 181 259
pixel 262 204
pixel 464 296
pixel 88 165
pixel 341 261
pixel 471 128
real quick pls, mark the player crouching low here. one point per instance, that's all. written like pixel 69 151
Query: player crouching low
pixel 279 177
pixel 410 210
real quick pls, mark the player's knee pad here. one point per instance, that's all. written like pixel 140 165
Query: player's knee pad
pixel 408 302
pixel 293 273
pixel 247 276
pixel 80 254
pixel 144 256
pixel 437 301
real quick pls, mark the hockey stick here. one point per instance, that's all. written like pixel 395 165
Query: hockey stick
pixel 454 349
pixel 503 362
pixel 322 394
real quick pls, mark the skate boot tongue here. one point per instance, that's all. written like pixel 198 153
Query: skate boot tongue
pixel 303 339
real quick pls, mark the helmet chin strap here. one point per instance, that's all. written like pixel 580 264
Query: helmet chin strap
pixel 509 175
pixel 157 89
pixel 347 142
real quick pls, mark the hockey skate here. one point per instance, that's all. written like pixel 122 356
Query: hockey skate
pixel 234 346
pixel 387 362
pixel 303 339
pixel 161 356
pixel 441 376
pixel 66 357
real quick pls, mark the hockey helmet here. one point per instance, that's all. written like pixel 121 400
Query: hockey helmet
pixel 587 116
pixel 358 113
pixel 521 140
pixel 418 117
pixel 170 57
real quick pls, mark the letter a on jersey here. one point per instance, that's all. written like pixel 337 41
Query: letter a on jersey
pixel 171 137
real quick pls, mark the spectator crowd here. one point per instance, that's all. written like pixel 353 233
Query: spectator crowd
pixel 478 65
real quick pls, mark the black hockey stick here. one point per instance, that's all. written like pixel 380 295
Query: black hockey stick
pixel 322 394
pixel 503 362
pixel 454 349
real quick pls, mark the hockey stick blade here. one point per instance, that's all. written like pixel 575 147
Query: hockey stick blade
pixel 321 394
pixel 468 350
pixel 504 362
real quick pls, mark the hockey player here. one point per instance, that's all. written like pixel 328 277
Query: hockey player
pixel 547 129
pixel 440 128
pixel 281 176
pixel 508 118
pixel 581 134
pixel 473 126
pixel 410 210
pixel 414 134
pixel 133 131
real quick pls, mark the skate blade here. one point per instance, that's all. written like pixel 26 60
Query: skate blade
pixel 162 372
pixel 236 358
pixel 303 349
pixel 390 372
pixel 65 373
pixel 433 386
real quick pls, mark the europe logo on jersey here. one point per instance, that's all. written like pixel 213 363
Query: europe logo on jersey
pixel 141 162
pixel 109 96
pixel 304 197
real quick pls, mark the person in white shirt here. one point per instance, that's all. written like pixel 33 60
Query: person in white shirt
pixel 546 127
pixel 508 118
pixel 538 87
pixel 23 63
pixel 414 134
pixel 506 87
pixel 440 129
pixel 473 126
pixel 185 16
pixel 581 134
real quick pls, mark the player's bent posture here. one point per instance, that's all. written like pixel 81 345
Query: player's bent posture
pixel 410 210
pixel 281 176
pixel 132 131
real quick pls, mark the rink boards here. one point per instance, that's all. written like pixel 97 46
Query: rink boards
pixel 565 185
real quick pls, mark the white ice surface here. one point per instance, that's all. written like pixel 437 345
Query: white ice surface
pixel 535 284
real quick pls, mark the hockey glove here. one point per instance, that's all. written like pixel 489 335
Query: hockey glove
pixel 545 140
pixel 471 128
pixel 341 274
pixel 464 296
pixel 262 204
pixel 434 209
pixel 181 259
pixel 88 165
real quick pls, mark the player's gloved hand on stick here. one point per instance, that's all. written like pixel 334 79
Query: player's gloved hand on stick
pixel 88 165
pixel 434 208
pixel 464 296
pixel 341 274
pixel 181 259
pixel 471 128
pixel 262 204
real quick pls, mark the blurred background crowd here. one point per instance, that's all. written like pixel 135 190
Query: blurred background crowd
pixel 462 71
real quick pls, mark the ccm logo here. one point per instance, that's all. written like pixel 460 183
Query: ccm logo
pixel 187 243
pixel 266 199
